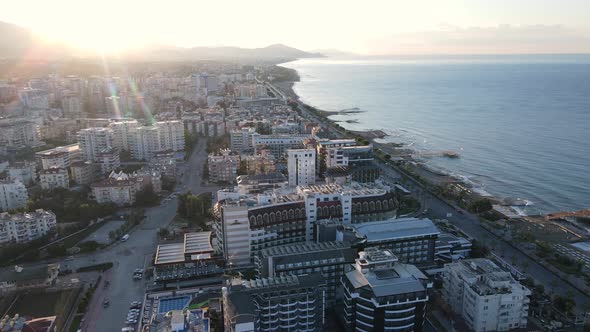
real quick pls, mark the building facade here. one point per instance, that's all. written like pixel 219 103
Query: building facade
pixel 285 303
pixel 381 294
pixel 61 156
pixel 25 227
pixel 92 141
pixel 223 166
pixel 13 195
pixel 301 167
pixel 330 259
pixel 487 297
pixel 53 178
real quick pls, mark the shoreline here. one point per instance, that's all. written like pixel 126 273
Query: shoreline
pixel 401 153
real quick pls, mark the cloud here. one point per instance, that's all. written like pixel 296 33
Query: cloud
pixel 505 39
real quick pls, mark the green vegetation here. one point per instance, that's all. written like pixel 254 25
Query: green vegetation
pixel 60 248
pixel 195 208
pixel 564 304
pixel 243 168
pixel 70 206
pixel 408 204
pixel 217 143
pixel 479 250
pixel 168 183
pixel 147 197
pixel 97 267
pixel 566 264
pixel 543 248
pixel 480 205
pixel 133 219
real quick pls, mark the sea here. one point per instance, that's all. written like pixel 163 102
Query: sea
pixel 520 123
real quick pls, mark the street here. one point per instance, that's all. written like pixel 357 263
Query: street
pixel 135 253
pixel 469 224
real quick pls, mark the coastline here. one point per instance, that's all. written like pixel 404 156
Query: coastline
pixel 398 152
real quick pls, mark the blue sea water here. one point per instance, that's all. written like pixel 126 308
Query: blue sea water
pixel 520 123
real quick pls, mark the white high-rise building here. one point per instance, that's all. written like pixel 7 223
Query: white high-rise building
pixel 122 131
pixel 487 297
pixel 162 136
pixel 234 231
pixel 93 141
pixel 34 98
pixel 25 227
pixel 19 133
pixel 13 195
pixel 71 105
pixel 301 167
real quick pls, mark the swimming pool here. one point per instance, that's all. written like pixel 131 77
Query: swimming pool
pixel 173 303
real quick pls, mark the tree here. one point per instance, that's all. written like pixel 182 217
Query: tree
pixel 481 205
pixel 146 196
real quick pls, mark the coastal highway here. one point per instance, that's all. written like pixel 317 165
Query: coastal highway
pixel 438 209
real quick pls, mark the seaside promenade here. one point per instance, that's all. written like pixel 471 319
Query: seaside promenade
pixel 468 223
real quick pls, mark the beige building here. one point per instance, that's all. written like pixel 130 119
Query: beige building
pixel 223 166
pixel 53 178
pixel 83 172
pixel 61 156
pixel 122 188
pixel 25 227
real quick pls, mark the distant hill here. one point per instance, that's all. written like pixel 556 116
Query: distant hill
pixel 171 53
pixel 20 43
pixel 335 53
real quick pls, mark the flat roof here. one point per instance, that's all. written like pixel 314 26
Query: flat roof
pixel 396 229
pixel 170 253
pixel 199 242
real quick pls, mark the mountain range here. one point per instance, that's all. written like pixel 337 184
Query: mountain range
pixel 19 43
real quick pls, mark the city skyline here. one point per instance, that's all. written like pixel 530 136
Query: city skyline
pixel 378 28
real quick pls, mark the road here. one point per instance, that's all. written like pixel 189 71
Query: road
pixel 438 209
pixel 135 253
pixel 469 224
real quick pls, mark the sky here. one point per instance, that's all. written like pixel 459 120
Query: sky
pixel 373 27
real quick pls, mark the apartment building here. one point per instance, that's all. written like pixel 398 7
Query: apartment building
pixel 121 188
pixel 83 172
pixel 13 194
pixel 146 141
pixel 223 166
pixel 487 297
pixel 60 157
pixel 330 259
pixel 242 140
pixel 412 240
pixel 94 140
pixel 19 133
pixel 122 132
pixel 279 144
pixel 301 167
pixel 53 178
pixel 108 160
pixel 23 171
pixel 25 227
pixel 381 294
pixel 284 303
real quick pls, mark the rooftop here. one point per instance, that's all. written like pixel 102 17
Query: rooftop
pixel 399 279
pixel 395 229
